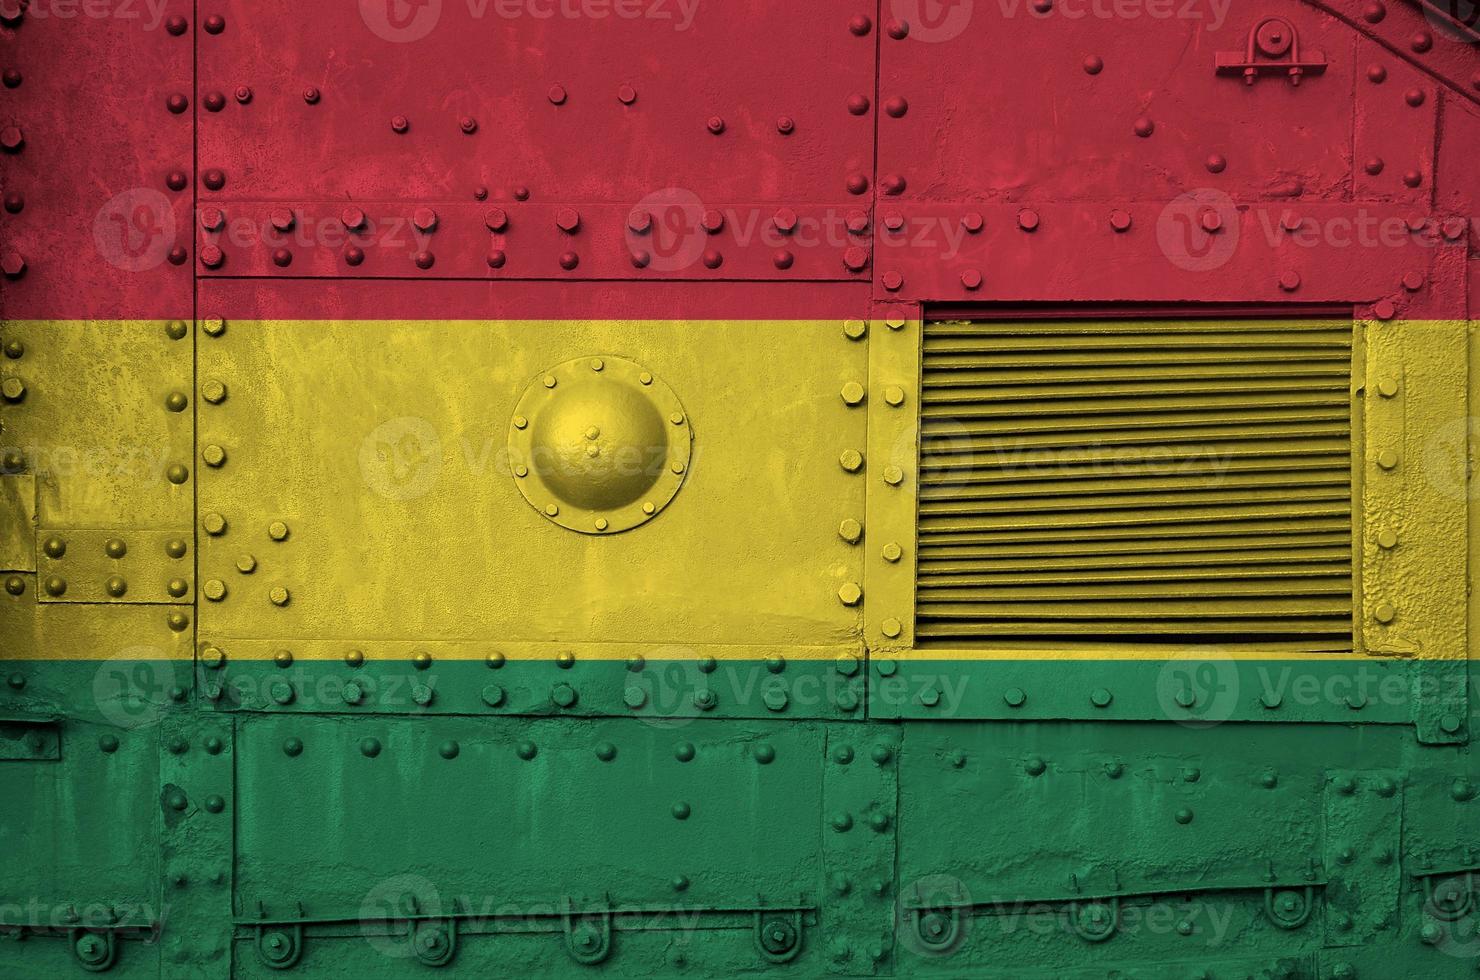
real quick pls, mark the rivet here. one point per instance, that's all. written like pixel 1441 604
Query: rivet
pixel 1210 220
pixel 468 125
pixel 177 473
pixel 278 595
pixel 213 523
pixel 850 530
pixel 569 260
pixel 1376 74
pixel 116 586
pixel 894 322
pixel 424 219
pixel 1094 64
pixel 215 590
pixel 1027 219
pixel 971 279
pixel 424 259
pixel 1014 697
pixel 568 220
pixel 858 104
pixel 855 329
pixel 681 811
pixel 892 552
pixel 278 531
pixel 400 124
pixel 851 460
pixel 292 747
pixel 214 179
pixel 1035 766
pixel 1387 539
pixel 852 393
pixel 212 257
pixel 1384 612
pixel 176 103
pixel 354 255
pixel 649 508
pixel 859 25
pixel 448 749
pixel 1143 126
pixel 213 455
pixel 850 593
pixel 896 106
pixel 1373 166
pixel 1184 816
pixel 352 693
pixel 311 95
pixel 1387 459
pixel 1120 220
pixel 1387 387
pixel 1413 281
pixel 626 94
pixel 496 258
pixel 370 747
pixel 1421 41
pixel 493 695
pixel 891 627
pixel 1384 309
pixel 715 125
pixel 1412 178
pixel 1100 697
pixel 857 184
pixel 894 395
pixel 782 258
pixel 556 94
pixel 1289 281
pixel 893 475
pixel 855 258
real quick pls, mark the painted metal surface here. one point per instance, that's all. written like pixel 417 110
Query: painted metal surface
pixel 525 489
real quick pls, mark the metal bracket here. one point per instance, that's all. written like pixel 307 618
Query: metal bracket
pixel 1273 48
pixel 96 949
pixel 778 935
pixel 588 935
pixel 1095 921
pixel 280 945
pixel 1288 908
pixel 1448 895
pixel 433 940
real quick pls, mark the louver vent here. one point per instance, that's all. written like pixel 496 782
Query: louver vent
pixel 1136 481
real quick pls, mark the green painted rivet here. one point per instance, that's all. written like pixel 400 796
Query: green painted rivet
pixel 177 801
pixel 352 693
pixel 606 751
pixel 1451 724
pixel 493 695
pixel 681 811
pixel 881 754
pixel 1035 766
pixel 634 697
pixel 215 804
pixel 526 751
pixel 214 745
pixel 1184 816
pixel 842 754
pixel 107 743
pixel 449 749
pixel 886 668
pixel 1100 697
pixel 293 747
pixel 765 754
pixel 282 692
pixel 775 699
pixel 848 664
pixel 707 665
pixel 684 751
pixel 370 747
pixel 846 700
pixel 680 883
pixel 842 822
pixel 422 694
pixel 1015 697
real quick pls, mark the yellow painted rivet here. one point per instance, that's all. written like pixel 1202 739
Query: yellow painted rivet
pixel 854 329
pixel 213 392
pixel 850 593
pixel 551 510
pixel 115 548
pixel 892 552
pixel 648 508
pixel 893 475
pixel 213 523
pixel 890 627
pixel 116 586
pixel 894 322
pixel 1387 539
pixel 677 467
pixel 520 422
pixel 246 564
pixel 278 595
pixel 601 524
pixel 1383 612
pixel 215 590
pixel 850 531
pixel 1387 459
pixel 213 454
pixel 214 326
pixel 521 470
pixel 851 460
pixel 277 530
pixel 645 378
pixel 549 381
pixel 894 395
pixel 1387 387
pixel 676 418
pixel 852 393
pixel 597 364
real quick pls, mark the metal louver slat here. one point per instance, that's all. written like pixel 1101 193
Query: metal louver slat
pixel 1087 482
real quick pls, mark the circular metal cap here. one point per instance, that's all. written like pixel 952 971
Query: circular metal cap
pixel 599 444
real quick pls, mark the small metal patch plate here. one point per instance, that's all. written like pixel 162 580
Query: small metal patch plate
pixel 599 444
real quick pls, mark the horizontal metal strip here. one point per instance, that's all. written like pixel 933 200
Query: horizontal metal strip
pixel 1241 342
pixel 1040 328
pixel 1254 528
pixel 1170 394
pixel 1335 628
pixel 1213 521
pixel 1275 371
pixel 937 486
pixel 1249 361
pixel 1138 552
pixel 1092 609
pixel 1221 452
pixel 947 471
pixel 1031 419
pixel 1150 504
pixel 1205 579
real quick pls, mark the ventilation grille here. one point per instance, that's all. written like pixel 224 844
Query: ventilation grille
pixel 1136 481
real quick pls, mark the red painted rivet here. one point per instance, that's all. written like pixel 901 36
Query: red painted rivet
pixel 1027 219
pixel 177 103
pixel 639 222
pixel 893 184
pixel 896 106
pixel 1210 220
pixel 973 222
pixel 521 193
pixel 1417 223
pixel 1094 64
pixel 1413 281
pixel 568 220
pixel 496 258
pixel 894 221
pixel 176 180
pixel 311 95
pixel 712 258
pixel 1216 163
pixel 857 184
pixel 715 124
pixel 626 94
pixel 1373 13
pixel 176 25
pixel 352 218
pixel 281 257
pixel 15 203
pixel 893 281
pixel 425 219
pixel 1373 166
pixel 1120 219
pixel 712 221
pixel 1384 309
pixel 1412 178
pixel 858 104
pixel 13 264
pixel 211 219
pixel 1290 222
pixel 215 24
pixel 899 29
pixel 468 125
pixel 213 101
pixel 782 259
pixel 860 25
pixel 556 95
pixel 569 260
pixel 480 193
pixel 1144 126
pixel 785 125
pixel 211 257
pixel 354 255
pixel 282 219
pixel 11 77
pixel 785 220
pixel 1290 281
pixel 495 220
pixel 1414 97
pixel 178 255
pixel 214 179
pixel 855 259
pixel 400 124
pixel 1421 41
pixel 1376 74
pixel 1043 6
pixel 243 94
pixel 640 258
pixel 856 222
pixel 971 279
pixel 1454 229
pixel 424 260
